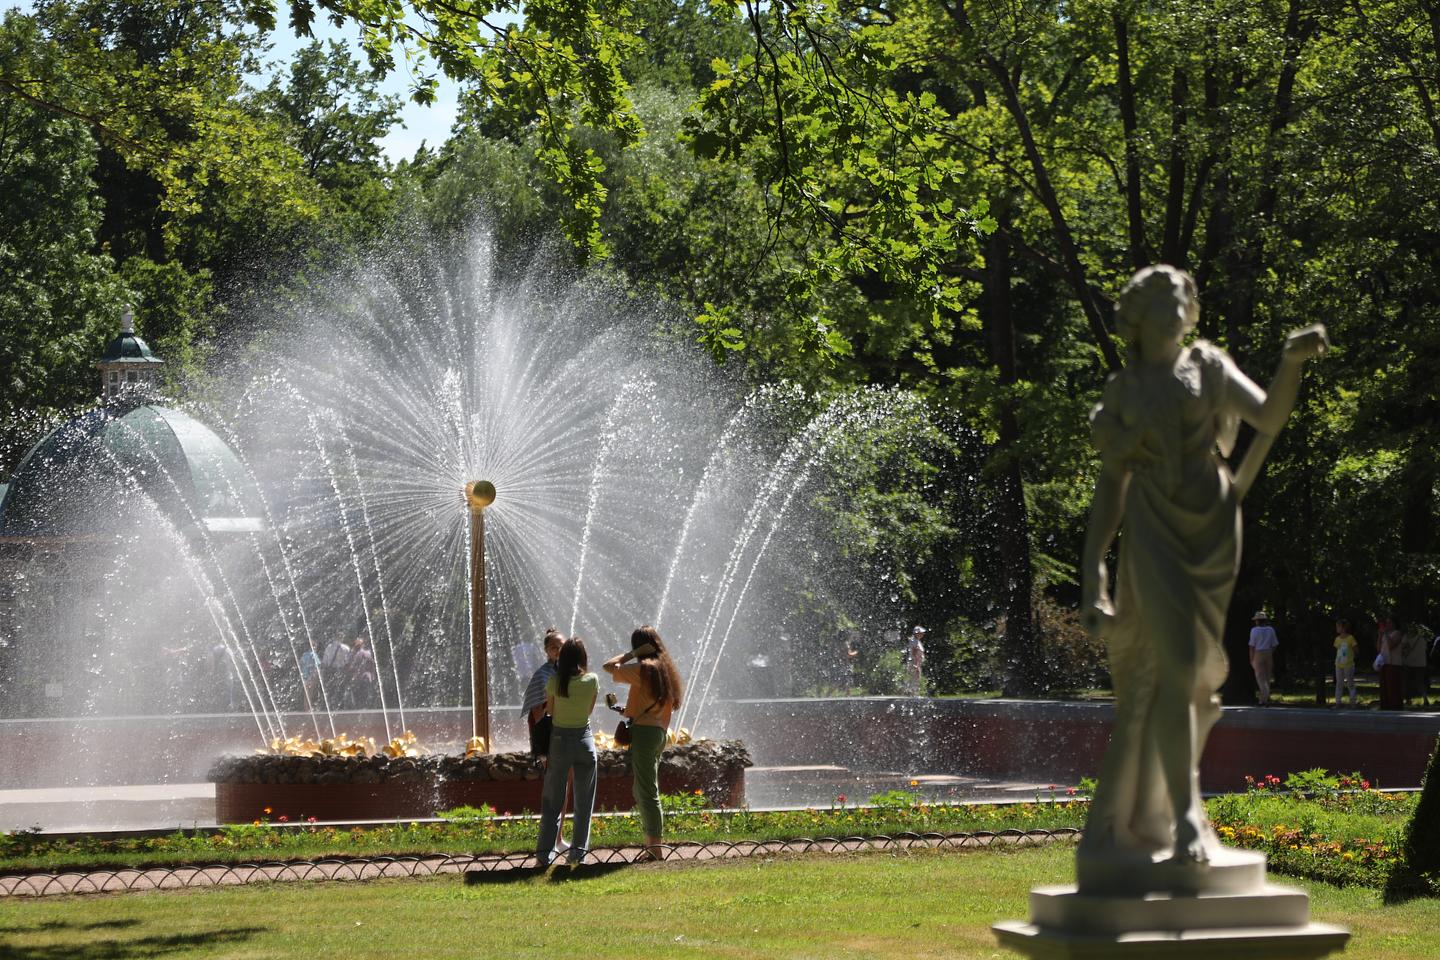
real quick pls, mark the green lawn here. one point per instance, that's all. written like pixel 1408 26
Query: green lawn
pixel 911 905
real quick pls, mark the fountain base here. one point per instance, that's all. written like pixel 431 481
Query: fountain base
pixel 390 788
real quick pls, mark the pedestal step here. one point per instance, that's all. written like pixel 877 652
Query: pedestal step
pixel 1306 942
pixel 1229 871
pixel 1266 906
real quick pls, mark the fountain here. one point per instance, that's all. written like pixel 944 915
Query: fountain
pixel 349 424
pixel 339 779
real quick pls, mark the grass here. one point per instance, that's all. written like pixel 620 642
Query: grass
pixel 896 812
pixel 921 904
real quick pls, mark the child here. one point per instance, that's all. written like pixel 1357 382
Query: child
pixel 1345 646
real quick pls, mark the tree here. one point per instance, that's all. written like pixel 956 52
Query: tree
pixel 158 84
pixel 58 297
pixel 334 118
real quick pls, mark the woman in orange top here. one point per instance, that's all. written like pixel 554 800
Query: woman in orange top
pixel 655 692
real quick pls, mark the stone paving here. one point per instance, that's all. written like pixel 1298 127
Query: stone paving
pixel 170 806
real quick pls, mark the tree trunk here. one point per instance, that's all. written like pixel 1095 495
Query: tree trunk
pixel 1251 260
pixel 1025 664
pixel 1170 250
pixel 1008 81
pixel 1139 256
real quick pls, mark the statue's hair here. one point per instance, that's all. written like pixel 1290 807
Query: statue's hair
pixel 1154 292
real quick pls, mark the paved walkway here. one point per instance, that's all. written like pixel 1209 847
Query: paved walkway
pixel 485 869
pixel 171 806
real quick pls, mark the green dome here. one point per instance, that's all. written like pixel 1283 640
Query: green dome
pixel 129 348
pixel 76 479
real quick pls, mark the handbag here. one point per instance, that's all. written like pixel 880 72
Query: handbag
pixel 623 734
pixel 540 736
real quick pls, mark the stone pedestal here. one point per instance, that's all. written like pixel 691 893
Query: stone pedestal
pixel 1226 910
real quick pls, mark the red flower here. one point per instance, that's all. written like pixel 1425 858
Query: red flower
pixel 284 819
pixel 1364 784
pixel 841 798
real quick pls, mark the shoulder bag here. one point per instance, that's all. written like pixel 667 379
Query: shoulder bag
pixel 623 734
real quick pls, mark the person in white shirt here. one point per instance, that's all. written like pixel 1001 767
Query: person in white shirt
pixel 1414 659
pixel 1262 653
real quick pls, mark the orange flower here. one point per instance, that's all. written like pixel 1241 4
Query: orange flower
pixel 267 811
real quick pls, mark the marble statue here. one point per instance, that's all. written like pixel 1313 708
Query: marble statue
pixel 1162 426
pixel 1152 879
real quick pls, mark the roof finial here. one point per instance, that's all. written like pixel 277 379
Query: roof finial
pixel 127 320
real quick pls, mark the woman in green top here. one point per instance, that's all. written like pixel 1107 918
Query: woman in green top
pixel 570 696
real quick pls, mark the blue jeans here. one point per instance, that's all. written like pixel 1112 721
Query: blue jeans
pixel 571 748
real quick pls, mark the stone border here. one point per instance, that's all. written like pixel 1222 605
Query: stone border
pixel 388 788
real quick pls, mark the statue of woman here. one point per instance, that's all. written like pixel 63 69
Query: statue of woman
pixel 1162 426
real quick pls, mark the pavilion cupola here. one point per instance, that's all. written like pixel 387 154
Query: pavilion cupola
pixel 128 363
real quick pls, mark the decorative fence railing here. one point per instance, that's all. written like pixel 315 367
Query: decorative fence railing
pixel 480 868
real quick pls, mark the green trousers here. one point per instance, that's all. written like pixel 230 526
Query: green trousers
pixel 645 746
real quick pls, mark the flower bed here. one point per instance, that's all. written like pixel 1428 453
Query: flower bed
pixel 386 788
pixel 1339 829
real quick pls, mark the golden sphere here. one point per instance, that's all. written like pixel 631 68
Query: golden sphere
pixel 480 494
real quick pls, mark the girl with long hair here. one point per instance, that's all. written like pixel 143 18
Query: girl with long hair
pixel 655 693
pixel 570 697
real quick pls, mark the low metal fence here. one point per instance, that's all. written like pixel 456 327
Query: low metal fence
pixel 486 866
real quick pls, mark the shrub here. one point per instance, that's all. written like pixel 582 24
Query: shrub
pixel 966 658
pixel 1418 871
pixel 468 814
pixel 1073 658
pixel 886 676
